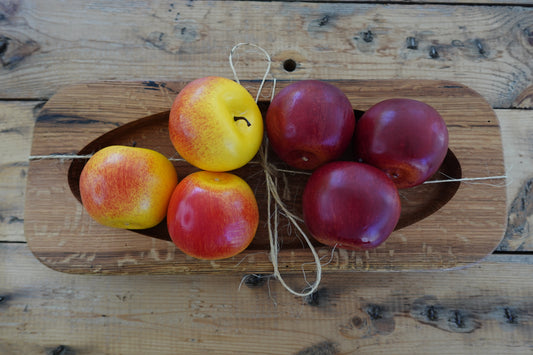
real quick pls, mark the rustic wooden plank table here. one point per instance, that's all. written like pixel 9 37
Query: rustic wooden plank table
pixel 486 45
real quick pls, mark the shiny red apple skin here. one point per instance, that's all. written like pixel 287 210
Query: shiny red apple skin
pixel 350 205
pixel 407 139
pixel 212 215
pixel 309 123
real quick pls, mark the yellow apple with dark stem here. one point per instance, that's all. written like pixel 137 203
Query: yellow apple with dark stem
pixel 127 187
pixel 215 124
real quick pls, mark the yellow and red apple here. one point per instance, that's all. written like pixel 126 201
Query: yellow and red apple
pixel 215 124
pixel 127 187
pixel 212 215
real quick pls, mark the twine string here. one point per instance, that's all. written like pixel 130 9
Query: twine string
pixel 281 170
pixel 267 71
pixel 270 172
pixel 272 194
pixel 497 177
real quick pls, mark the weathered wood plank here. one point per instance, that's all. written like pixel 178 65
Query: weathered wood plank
pixel 16 127
pixel 487 48
pixel 518 156
pixel 525 99
pixel 486 309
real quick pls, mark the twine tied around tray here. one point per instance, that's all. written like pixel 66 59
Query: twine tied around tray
pixel 275 205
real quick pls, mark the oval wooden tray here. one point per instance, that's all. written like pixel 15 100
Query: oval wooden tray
pixel 443 225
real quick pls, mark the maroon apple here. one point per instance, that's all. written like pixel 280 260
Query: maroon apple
pixel 350 205
pixel 407 139
pixel 309 123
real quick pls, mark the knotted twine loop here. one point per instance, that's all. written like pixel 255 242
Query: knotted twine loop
pixel 267 71
pixel 275 205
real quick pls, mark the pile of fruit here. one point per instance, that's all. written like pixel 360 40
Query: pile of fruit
pixel 216 126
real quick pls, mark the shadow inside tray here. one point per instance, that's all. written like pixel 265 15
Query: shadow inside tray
pixel 423 200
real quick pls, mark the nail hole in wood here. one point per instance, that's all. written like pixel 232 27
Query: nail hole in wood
pixel 479 46
pixel 3 44
pixel 289 65
pixel 60 350
pixel 254 280
pixel 432 314
pixel 324 21
pixel 374 311
pixel 412 43
pixel 368 36
pixel 510 315
pixel 433 52
pixel 313 299
pixel 458 319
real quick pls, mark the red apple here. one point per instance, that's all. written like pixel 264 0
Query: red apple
pixel 350 205
pixel 407 139
pixel 212 215
pixel 309 123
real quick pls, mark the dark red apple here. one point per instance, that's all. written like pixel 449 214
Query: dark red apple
pixel 309 123
pixel 407 139
pixel 350 205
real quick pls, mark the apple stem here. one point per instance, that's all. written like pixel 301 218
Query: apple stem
pixel 242 118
